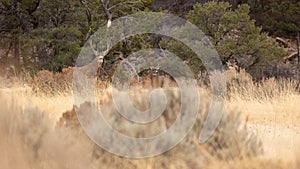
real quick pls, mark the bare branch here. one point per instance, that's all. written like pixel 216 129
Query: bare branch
pixel 106 10
pixel 282 41
pixel 124 3
pixel 292 55
pixel 132 70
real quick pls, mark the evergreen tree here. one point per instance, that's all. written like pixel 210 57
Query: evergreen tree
pixel 50 34
pixel 279 17
pixel 234 35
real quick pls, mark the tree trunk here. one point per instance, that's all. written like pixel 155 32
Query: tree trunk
pixel 16 52
pixel 298 47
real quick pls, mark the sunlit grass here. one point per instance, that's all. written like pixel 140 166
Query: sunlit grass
pixel 30 137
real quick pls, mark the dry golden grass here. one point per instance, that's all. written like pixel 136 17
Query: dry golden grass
pixel 271 107
pixel 29 138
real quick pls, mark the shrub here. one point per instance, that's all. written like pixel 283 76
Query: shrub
pixel 46 82
pixel 231 141
pixel 233 34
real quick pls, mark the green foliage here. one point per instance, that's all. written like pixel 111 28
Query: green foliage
pixel 234 35
pixel 49 35
pixel 60 31
pixel 98 13
pixel 53 32
pixel 185 53
pixel 280 17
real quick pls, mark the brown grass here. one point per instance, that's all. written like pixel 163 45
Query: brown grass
pixel 29 138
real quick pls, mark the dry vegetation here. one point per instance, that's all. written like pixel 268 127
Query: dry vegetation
pixel 260 119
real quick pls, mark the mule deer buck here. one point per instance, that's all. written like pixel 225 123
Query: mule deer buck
pixel 232 68
pixel 155 79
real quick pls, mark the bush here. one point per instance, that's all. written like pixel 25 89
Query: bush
pixel 233 34
pixel 46 82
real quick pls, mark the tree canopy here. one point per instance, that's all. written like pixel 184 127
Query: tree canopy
pixel 40 34
pixel 234 35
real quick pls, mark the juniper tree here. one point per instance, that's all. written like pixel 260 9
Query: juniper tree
pixel 233 34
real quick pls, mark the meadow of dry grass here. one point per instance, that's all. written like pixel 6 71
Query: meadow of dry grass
pixel 259 130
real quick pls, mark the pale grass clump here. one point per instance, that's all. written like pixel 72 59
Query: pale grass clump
pixel 29 140
pixel 271 107
pixel 270 101
pixel 15 81
pixel 297 154
pixel 43 82
pixel 264 90
pixel 50 83
pixel 240 85
pixel 53 105
pixel 252 163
